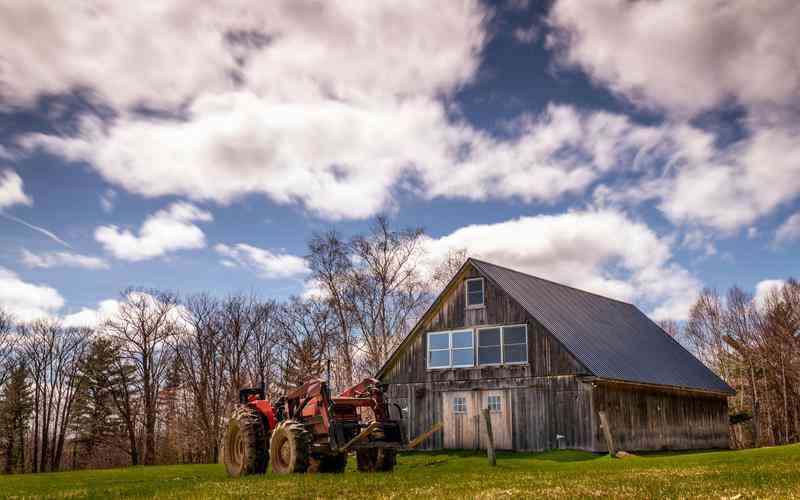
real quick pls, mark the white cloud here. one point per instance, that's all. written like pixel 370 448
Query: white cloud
pixel 27 301
pixel 690 57
pixel 266 263
pixel 699 241
pixel 62 259
pixel 789 231
pixel 763 290
pixel 165 231
pixel 685 56
pixel 12 191
pixel 527 35
pixel 89 318
pixel 601 251
pixel 107 200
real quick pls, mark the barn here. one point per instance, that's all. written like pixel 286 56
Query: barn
pixel 547 359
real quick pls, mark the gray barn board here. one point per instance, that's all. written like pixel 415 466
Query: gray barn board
pixel 585 353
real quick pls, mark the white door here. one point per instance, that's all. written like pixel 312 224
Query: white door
pixel 500 414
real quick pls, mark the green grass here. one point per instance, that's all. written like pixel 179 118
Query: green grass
pixel 762 473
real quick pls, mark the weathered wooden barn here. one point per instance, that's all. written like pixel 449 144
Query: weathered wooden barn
pixel 545 359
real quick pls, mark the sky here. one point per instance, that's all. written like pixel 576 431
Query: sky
pixel 641 150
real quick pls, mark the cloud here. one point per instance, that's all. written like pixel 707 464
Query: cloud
pixel 107 200
pixel 267 264
pixel 11 190
pixel 788 232
pixel 527 35
pixel 62 259
pixel 90 318
pixel 163 232
pixel 27 301
pixel 763 290
pixel 685 56
pixel 603 251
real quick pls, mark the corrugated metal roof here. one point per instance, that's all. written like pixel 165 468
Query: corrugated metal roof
pixel 613 339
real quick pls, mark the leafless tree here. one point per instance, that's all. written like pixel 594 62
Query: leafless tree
pixel 200 353
pixel 306 328
pixel 447 269
pixel 53 355
pixel 143 326
pixel 7 344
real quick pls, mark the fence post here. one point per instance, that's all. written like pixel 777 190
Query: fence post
pixel 490 438
pixel 607 433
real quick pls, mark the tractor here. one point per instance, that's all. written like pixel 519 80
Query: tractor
pixel 307 430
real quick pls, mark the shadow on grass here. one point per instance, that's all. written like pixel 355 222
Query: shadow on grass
pixel 561 456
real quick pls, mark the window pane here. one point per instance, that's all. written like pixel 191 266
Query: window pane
pixel 438 341
pixel 463 357
pixel 459 405
pixel 438 359
pixel 493 403
pixel 462 339
pixel 514 335
pixel 475 285
pixel 489 355
pixel 489 337
pixel 475 298
pixel 515 353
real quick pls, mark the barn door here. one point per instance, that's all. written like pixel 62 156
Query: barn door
pixel 460 417
pixel 500 414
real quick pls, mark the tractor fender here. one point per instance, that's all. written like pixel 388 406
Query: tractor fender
pixel 266 409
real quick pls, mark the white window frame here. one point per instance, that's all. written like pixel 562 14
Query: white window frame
pixel 450 349
pixel 463 401
pixel 483 293
pixel 499 399
pixel 502 345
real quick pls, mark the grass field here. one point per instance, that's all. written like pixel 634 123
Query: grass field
pixel 763 473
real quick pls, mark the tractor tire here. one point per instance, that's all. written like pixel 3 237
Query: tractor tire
pixel 290 447
pixel 376 459
pixel 245 443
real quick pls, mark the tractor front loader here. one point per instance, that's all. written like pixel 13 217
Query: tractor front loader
pixel 307 430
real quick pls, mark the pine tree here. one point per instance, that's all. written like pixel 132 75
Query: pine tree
pixel 16 407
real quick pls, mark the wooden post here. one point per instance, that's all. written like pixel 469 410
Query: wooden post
pixel 607 432
pixel 422 437
pixel 490 438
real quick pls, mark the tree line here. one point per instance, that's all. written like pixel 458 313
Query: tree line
pixel 755 347
pixel 154 382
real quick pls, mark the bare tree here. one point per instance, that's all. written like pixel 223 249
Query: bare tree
pixel 53 355
pixel 7 344
pixel 447 269
pixel 388 289
pixel 306 328
pixel 143 326
pixel 264 342
pixel 201 356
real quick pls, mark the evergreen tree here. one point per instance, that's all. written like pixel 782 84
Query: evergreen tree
pixel 16 407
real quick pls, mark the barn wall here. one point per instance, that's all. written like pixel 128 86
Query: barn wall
pixel 645 418
pixel 540 409
pixel 546 356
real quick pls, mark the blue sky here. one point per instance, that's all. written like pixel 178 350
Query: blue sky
pixel 641 150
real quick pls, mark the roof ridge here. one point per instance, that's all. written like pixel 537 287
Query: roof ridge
pixel 552 282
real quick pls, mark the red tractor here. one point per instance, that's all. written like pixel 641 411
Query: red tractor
pixel 307 430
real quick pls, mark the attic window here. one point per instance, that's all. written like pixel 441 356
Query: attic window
pixel 474 289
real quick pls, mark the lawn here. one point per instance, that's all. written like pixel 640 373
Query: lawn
pixel 762 473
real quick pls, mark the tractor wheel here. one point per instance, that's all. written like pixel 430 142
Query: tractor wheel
pixel 289 447
pixel 334 463
pixel 376 459
pixel 245 443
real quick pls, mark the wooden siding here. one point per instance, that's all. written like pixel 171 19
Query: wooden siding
pixel 540 409
pixel 644 418
pixel 546 356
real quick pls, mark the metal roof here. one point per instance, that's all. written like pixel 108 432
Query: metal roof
pixel 613 339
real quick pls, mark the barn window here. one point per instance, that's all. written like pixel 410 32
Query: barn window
pixel 459 405
pixel 451 349
pixel 493 403
pixel 474 292
pixel 503 345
